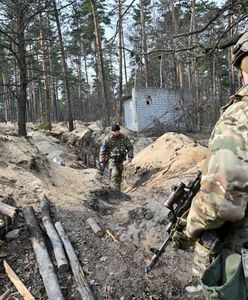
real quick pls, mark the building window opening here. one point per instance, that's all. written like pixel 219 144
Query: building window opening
pixel 148 100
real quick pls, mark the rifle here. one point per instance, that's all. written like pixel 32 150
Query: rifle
pixel 178 203
pixel 105 171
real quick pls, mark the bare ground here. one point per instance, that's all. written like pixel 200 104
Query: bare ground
pixel 114 267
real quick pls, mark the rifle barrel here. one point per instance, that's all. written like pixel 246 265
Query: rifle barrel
pixel 157 255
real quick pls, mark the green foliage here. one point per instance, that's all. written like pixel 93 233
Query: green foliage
pixel 45 126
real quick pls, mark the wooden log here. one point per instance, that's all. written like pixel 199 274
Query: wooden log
pixel 95 227
pixel 82 284
pixel 8 210
pixel 46 268
pixel 6 294
pixel 21 288
pixel 57 244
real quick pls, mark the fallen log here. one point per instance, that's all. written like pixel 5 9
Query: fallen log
pixel 6 294
pixel 82 284
pixel 95 227
pixel 57 244
pixel 42 257
pixel 17 282
pixel 8 210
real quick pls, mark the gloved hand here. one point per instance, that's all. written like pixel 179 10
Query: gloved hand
pixel 181 241
pixel 102 166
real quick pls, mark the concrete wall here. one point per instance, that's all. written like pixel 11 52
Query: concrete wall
pixel 151 106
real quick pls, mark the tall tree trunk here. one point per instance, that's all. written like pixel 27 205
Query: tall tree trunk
pixel 47 101
pixel 143 39
pixel 124 60
pixel 193 70
pixel 229 55
pixel 179 66
pixel 101 75
pixel 80 95
pixel 21 63
pixel 6 96
pixel 53 89
pixel 65 69
pixel 120 58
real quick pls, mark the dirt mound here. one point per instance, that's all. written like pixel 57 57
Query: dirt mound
pixel 172 156
pixel 132 221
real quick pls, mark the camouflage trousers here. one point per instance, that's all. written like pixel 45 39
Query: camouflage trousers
pixel 116 169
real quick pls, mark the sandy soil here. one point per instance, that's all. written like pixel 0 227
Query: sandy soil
pixel 115 268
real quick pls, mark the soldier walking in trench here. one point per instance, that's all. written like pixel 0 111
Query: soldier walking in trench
pixel 116 146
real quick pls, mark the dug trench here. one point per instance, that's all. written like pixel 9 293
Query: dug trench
pixel 132 221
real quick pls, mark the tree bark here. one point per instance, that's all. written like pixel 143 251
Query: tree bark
pixel 45 266
pixel 120 59
pixel 58 249
pixel 178 63
pixel 101 74
pixel 143 39
pixel 95 227
pixel 21 62
pixel 47 102
pixel 65 69
pixel 82 284
pixel 8 210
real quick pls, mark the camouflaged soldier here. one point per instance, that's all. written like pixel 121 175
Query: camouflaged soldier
pixel 115 148
pixel 222 200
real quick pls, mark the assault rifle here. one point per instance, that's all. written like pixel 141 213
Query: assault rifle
pixel 105 171
pixel 178 203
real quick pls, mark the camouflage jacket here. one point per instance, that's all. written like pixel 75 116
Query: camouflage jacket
pixel 224 187
pixel 116 148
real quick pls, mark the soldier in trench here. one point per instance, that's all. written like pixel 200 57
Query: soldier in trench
pixel 114 150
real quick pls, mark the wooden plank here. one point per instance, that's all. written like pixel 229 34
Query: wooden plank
pixel 17 282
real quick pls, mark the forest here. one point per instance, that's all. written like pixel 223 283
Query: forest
pixel 78 60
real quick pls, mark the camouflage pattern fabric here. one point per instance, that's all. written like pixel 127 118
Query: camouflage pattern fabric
pixel 112 143
pixel 116 169
pixel 224 187
pixel 114 150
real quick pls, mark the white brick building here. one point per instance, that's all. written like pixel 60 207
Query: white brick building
pixel 150 106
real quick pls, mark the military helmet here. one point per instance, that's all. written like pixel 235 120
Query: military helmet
pixel 240 50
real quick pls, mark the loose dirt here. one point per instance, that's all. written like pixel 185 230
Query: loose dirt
pixel 53 164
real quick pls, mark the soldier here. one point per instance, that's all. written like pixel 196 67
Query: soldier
pixel 221 204
pixel 115 148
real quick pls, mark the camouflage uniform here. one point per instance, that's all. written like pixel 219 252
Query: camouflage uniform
pixel 114 151
pixel 224 187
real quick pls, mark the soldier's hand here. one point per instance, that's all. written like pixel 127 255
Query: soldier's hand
pixel 181 241
pixel 129 159
pixel 101 166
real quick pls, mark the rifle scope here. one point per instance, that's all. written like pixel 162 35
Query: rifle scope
pixel 178 192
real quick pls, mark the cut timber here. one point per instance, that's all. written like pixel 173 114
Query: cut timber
pixel 8 210
pixel 17 282
pixel 5 295
pixel 95 227
pixel 82 284
pixel 57 244
pixel 45 266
